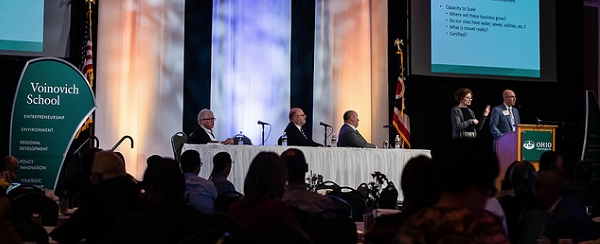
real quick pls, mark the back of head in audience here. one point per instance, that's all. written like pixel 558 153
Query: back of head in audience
pixel 163 182
pixel 466 167
pixel 108 165
pixel 296 164
pixel 221 165
pixel 551 186
pixel 265 179
pixel 506 183
pixel 524 178
pixel 9 168
pixel 550 160
pixel 416 184
pixel 87 160
pixel 190 161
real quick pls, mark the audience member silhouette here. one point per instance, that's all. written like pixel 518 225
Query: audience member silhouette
pixel 113 196
pixel 168 219
pixel 263 188
pixel 520 200
pixel 464 172
pixel 550 160
pixel 222 164
pixel 200 192
pixel 296 194
pixel 567 219
pixel 418 193
pixel 8 234
pixel 80 181
pixel 582 188
pixel 9 169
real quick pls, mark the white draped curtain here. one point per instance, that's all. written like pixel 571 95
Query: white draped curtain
pixel 140 70
pixel 251 67
pixel 351 65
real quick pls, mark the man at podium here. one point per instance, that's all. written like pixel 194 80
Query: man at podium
pixel 505 118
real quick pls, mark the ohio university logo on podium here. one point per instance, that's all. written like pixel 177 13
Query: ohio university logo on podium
pixel 52 101
pixel 535 142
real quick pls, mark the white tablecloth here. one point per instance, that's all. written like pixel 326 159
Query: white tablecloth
pixel 345 166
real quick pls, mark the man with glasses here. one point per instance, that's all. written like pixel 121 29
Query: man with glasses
pixel 204 132
pixel 295 133
pixel 505 117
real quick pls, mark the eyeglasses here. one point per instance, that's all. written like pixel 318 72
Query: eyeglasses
pixel 213 119
pixel 303 115
pixel 469 98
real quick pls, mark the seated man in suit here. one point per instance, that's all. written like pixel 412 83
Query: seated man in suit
pixel 204 132
pixel 349 136
pixel 504 117
pixel 295 133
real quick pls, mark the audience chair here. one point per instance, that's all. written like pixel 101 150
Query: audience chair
pixel 342 207
pixel 177 141
pixel 225 199
pixel 328 186
pixel 363 188
pixel 388 198
pixel 356 200
pixel 27 200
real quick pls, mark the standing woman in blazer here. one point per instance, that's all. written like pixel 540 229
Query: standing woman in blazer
pixel 464 122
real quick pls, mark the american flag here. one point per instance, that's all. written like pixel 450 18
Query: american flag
pixel 87 66
pixel 401 121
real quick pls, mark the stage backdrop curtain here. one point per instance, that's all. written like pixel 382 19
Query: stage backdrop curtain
pixel 351 65
pixel 140 70
pixel 250 76
pixel 139 77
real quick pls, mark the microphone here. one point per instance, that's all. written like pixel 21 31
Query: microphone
pixel 386 126
pixel 538 120
pixel 262 123
pixel 323 124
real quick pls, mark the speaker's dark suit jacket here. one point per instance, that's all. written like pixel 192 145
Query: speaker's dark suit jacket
pixel 350 137
pixel 296 138
pixel 500 120
pixel 199 136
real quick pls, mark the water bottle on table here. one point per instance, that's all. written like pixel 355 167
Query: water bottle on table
pixel 240 138
pixel 333 140
pixel 397 141
pixel 284 139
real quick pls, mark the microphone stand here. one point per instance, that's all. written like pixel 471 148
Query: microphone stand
pixel 262 143
pixel 325 136
pixel 389 133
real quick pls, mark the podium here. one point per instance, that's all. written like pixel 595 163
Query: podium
pixel 528 142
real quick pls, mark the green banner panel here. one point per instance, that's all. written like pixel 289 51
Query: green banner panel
pixel 535 143
pixel 52 101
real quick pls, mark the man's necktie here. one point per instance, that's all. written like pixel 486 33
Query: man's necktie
pixel 512 118
pixel 360 136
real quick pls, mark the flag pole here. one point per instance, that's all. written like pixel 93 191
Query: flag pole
pixel 401 121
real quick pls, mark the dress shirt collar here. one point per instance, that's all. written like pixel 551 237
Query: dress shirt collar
pixel 209 133
pixel 299 127
pixel 351 126
pixel 507 107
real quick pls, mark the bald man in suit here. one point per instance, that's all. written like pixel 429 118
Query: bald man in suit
pixel 504 118
pixel 349 136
